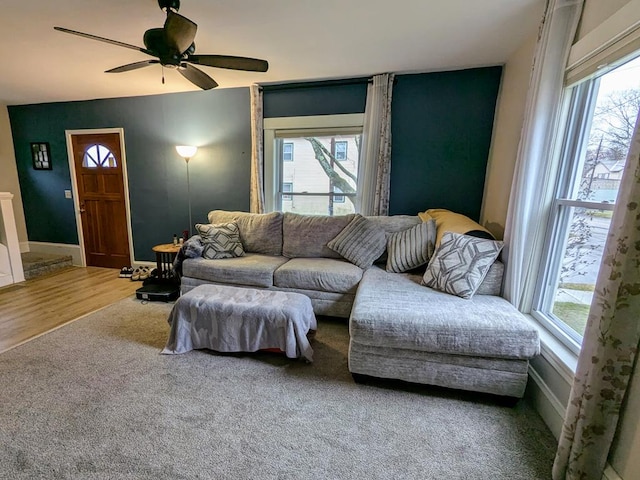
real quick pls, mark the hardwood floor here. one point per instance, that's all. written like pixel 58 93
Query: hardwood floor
pixel 31 308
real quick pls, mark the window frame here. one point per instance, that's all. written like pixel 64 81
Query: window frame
pixel 279 126
pixel 579 101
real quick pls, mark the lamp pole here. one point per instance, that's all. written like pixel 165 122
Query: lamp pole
pixel 189 197
pixel 187 152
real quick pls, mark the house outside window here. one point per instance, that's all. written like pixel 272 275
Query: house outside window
pixel 286 188
pixel 287 152
pixel 341 150
pixel 599 121
pixel 307 168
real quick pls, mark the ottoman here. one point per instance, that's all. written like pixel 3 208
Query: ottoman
pixel 235 319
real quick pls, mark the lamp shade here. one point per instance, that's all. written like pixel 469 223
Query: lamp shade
pixel 186 151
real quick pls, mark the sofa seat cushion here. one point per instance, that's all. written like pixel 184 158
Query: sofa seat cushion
pixel 323 274
pixel 253 269
pixel 394 310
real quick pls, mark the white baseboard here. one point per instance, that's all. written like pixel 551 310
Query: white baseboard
pixel 610 474
pixel 546 403
pixel 24 247
pixel 58 249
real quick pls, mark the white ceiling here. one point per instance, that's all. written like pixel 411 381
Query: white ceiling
pixel 301 39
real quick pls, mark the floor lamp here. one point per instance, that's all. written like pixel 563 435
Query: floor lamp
pixel 187 152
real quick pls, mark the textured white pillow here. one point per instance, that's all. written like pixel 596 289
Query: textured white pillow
pixel 220 241
pixel 460 264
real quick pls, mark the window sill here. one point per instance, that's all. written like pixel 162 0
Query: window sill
pixel 555 352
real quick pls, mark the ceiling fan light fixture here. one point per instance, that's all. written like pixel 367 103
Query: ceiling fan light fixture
pixel 173 5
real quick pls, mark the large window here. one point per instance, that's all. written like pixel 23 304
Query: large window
pixel 600 119
pixel 311 164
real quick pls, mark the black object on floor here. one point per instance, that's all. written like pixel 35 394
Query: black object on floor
pixel 157 292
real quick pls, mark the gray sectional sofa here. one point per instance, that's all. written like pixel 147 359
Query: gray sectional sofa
pixel 399 329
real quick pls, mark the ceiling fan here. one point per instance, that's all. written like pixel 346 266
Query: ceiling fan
pixel 173 47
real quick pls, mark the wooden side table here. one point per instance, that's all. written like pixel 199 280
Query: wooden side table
pixel 165 254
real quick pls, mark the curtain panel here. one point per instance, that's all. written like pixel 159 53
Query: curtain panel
pixel 529 202
pixel 256 194
pixel 611 340
pixel 374 175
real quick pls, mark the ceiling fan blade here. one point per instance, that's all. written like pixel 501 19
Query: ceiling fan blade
pixel 230 62
pixel 197 77
pixel 102 39
pixel 132 66
pixel 179 31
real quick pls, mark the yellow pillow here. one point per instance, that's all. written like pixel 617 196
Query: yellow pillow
pixel 448 221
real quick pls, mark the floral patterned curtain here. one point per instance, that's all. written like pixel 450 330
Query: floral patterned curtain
pixel 256 195
pixel 375 159
pixel 611 340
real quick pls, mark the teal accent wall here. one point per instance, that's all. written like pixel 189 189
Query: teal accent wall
pixel 315 98
pixel 441 127
pixel 217 121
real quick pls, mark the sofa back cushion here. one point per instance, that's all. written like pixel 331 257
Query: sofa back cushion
pixel 308 235
pixel 259 232
pixel 395 223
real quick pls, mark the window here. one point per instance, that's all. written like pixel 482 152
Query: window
pixel 600 118
pixel 287 152
pixel 307 169
pixel 287 187
pixel 341 150
pixel 98 156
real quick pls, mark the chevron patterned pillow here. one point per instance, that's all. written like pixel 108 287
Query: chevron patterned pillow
pixel 220 241
pixel 460 264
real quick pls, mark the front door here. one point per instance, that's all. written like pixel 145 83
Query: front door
pixel 101 197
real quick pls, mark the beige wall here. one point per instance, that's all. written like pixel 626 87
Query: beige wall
pixel 506 137
pixel 9 173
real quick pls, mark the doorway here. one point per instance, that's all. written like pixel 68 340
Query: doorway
pixel 101 197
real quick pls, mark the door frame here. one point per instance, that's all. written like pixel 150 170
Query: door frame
pixel 74 186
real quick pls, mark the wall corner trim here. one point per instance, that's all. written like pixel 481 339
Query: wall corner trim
pixel 610 474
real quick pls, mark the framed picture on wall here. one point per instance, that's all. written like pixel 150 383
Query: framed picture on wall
pixel 41 156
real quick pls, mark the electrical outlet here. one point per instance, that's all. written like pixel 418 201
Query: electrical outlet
pixel 67 194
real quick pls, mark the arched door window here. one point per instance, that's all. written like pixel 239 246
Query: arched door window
pixel 96 156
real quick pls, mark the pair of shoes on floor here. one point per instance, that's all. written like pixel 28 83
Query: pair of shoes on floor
pixel 140 273
pixel 126 272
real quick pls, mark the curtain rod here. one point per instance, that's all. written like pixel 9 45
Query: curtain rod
pixel 325 83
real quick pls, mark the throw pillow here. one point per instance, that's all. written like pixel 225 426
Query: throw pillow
pixel 460 264
pixel 411 248
pixel 360 242
pixel 220 241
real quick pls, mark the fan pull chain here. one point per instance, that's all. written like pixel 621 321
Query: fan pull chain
pixel 162 74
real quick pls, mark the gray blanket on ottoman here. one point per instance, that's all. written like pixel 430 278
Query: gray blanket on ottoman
pixel 233 319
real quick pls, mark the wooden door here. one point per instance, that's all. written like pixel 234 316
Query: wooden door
pixel 101 196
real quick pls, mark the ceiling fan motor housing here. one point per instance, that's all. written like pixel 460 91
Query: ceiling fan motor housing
pixel 169 4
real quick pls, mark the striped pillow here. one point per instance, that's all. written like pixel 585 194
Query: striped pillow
pixel 411 248
pixel 360 242
pixel 220 241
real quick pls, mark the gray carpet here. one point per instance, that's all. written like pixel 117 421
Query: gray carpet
pixel 96 400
